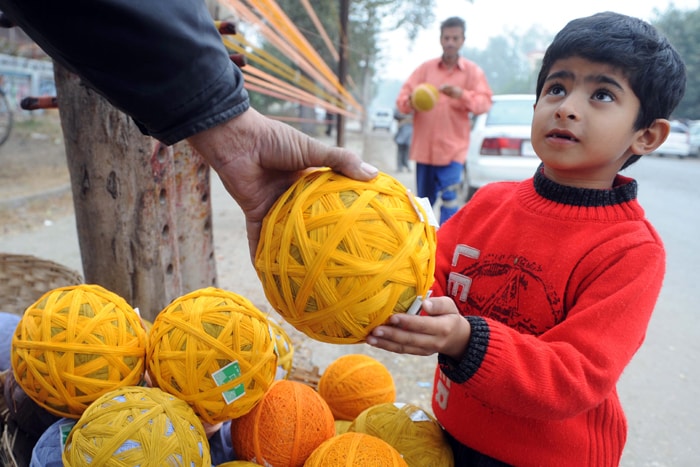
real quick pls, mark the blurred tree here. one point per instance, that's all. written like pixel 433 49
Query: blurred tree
pixel 681 28
pixel 511 61
pixel 368 19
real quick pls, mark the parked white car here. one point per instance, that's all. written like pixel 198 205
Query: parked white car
pixel 500 147
pixel 678 142
pixel 695 139
pixel 382 119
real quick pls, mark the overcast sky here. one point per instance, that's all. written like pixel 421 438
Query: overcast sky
pixel 489 18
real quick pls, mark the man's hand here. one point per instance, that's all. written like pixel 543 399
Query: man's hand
pixel 258 158
pixel 455 92
pixel 441 330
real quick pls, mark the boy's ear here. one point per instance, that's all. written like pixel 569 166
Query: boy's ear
pixel 648 139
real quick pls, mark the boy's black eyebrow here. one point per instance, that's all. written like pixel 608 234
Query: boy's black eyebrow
pixel 600 79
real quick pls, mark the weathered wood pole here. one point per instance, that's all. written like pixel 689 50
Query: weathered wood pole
pixel 143 210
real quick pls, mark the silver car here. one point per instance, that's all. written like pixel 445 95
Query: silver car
pixel 695 139
pixel 500 147
pixel 678 141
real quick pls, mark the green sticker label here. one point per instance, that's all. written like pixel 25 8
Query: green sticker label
pixel 227 374
pixel 64 430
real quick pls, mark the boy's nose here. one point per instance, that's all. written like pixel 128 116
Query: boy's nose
pixel 567 109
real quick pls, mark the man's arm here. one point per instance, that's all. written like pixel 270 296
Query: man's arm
pixel 161 62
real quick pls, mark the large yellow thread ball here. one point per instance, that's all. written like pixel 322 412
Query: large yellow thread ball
pixel 355 382
pixel 288 424
pixel 75 344
pixel 338 256
pixel 424 97
pixel 355 449
pixel 416 434
pixel 137 426
pixel 213 349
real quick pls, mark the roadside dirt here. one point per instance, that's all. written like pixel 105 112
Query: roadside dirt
pixel 34 178
pixel 35 190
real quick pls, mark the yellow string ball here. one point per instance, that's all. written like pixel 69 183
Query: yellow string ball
pixel 416 434
pixel 213 349
pixel 137 426
pixel 341 426
pixel 355 449
pixel 283 348
pixel 288 424
pixel 75 344
pixel 424 97
pixel 355 382
pixel 338 256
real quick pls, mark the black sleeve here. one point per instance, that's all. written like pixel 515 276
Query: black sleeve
pixel 162 62
pixel 461 371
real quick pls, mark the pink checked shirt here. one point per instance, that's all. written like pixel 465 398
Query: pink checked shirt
pixel 441 135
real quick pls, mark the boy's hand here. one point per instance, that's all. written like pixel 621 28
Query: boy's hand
pixel 441 330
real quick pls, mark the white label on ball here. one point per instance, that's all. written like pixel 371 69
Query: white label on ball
pixel 420 416
pixel 427 207
pixel 415 306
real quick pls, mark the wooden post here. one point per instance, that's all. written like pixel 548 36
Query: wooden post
pixel 342 65
pixel 143 210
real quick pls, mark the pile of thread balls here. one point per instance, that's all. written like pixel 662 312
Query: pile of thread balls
pixel 351 418
pixel 336 258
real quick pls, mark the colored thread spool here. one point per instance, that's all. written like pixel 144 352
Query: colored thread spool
pixel 416 434
pixel 288 424
pixel 338 256
pixel 75 344
pixel 213 349
pixel 137 426
pixel 424 97
pixel 355 449
pixel 355 382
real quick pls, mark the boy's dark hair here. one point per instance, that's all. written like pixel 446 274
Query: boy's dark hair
pixel 453 22
pixel 654 69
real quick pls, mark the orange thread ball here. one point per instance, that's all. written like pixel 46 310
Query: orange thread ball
pixel 283 348
pixel 424 97
pixel 213 349
pixel 288 424
pixel 75 344
pixel 338 256
pixel 238 464
pixel 355 449
pixel 353 383
pixel 137 426
pixel 416 434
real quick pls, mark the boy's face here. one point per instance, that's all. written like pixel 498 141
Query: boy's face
pixel 583 125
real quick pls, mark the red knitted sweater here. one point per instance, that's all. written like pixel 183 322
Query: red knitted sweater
pixel 559 284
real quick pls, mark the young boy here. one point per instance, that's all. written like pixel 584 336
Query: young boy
pixel 544 288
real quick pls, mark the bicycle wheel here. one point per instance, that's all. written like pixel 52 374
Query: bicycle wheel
pixel 5 118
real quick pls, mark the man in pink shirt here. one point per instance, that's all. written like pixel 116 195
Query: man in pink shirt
pixel 441 135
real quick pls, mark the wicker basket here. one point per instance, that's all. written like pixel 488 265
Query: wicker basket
pixel 24 279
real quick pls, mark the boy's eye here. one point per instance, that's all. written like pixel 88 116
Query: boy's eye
pixel 603 96
pixel 556 90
